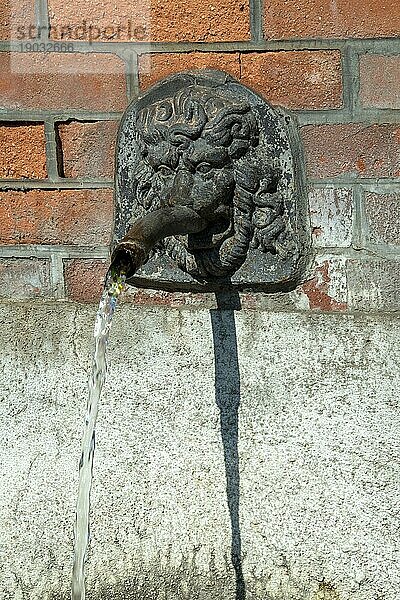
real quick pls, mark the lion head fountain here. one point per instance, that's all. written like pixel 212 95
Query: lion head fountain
pixel 206 170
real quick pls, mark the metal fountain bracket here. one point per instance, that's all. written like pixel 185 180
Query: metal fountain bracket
pixel 203 140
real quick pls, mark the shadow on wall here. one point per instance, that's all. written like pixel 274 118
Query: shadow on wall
pixel 227 397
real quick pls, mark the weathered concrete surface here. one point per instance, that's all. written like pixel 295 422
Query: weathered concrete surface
pixel 318 450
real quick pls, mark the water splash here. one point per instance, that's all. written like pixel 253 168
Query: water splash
pixel 115 284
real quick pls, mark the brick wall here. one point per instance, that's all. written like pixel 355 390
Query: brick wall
pixel 70 69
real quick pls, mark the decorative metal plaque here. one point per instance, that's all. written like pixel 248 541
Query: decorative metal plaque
pixel 204 140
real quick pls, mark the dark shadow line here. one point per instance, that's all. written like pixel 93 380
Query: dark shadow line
pixel 227 397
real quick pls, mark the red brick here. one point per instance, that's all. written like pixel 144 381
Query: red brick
pixel 331 214
pixel 153 67
pixel 99 20
pixel 24 278
pixel 374 284
pixel 49 81
pixel 380 81
pixel 357 149
pixel 88 148
pixel 192 21
pixel 285 19
pixel 84 279
pixel 294 79
pixel 158 21
pixel 22 151
pixel 81 217
pixel 382 212
pixel 15 15
pixel 306 79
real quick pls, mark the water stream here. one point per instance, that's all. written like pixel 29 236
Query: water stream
pixel 113 287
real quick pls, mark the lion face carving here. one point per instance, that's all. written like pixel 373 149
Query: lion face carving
pixel 206 148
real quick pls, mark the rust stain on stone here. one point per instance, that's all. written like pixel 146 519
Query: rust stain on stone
pixel 317 290
pixel 317 231
pixel 249 301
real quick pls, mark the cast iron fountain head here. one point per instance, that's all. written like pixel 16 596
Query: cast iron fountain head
pixel 144 234
pixel 206 175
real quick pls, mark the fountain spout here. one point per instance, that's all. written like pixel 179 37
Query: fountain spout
pixel 134 249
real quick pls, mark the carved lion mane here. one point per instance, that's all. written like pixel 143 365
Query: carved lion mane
pixel 250 210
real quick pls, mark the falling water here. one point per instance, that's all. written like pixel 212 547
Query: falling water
pixel 112 289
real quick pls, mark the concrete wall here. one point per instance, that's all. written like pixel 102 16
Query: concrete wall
pixel 246 454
